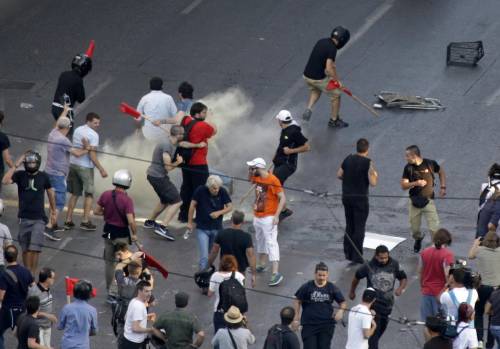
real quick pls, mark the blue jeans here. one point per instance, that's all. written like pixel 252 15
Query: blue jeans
pixel 429 306
pixel 206 239
pixel 495 331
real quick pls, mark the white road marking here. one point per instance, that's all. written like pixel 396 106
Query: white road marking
pixel 89 98
pixel 492 98
pixel 297 85
pixel 191 7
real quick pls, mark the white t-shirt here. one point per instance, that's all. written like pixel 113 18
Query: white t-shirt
pixel 84 132
pixel 217 279
pixel 467 337
pixel 461 293
pixel 360 318
pixel 5 239
pixel 136 311
pixel 157 105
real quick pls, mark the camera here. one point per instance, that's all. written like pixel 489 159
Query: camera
pixel 472 279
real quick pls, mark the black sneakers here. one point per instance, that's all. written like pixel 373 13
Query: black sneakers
pixel 285 213
pixel 88 226
pixel 417 245
pixel 339 123
pixel 306 116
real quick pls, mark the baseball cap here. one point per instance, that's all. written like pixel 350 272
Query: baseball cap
pixel 284 115
pixel 257 162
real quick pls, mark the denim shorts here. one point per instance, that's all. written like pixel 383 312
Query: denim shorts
pixel 429 306
pixel 59 185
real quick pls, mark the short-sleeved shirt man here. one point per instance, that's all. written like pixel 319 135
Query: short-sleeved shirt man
pixel 200 132
pixel 462 294
pixel 4 144
pixel 355 178
pixel 317 306
pixel 5 239
pixel 136 311
pixel 382 278
pixel 290 137
pixel 27 327
pixel 438 342
pixel 92 136
pixel 115 214
pixel 433 262
pixel 217 278
pixel 70 83
pixel 157 105
pixel 15 295
pixel 157 167
pixel 31 192
pixel 78 319
pixel 46 303
pixel 266 195
pixel 207 203
pixel 360 319
pixel 235 242
pixel 424 171
pixel 315 67
pixel 179 326
pixel 58 149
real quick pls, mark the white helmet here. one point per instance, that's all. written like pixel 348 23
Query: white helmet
pixel 122 178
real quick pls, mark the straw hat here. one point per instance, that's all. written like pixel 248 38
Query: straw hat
pixel 233 315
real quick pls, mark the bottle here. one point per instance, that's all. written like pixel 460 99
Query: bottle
pixel 186 234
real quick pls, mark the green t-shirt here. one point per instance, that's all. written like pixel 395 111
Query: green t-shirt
pixel 179 326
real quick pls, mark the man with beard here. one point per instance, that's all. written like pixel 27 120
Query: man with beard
pixel 381 274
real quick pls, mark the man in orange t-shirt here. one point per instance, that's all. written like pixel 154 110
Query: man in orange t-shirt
pixel 269 202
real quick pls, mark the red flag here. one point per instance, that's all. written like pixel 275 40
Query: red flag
pixel 127 109
pixel 153 263
pixel 90 50
pixel 70 285
pixel 332 85
pixel 347 91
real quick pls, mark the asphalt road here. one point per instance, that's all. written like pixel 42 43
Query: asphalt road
pixel 245 60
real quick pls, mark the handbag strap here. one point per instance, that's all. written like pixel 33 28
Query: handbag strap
pixel 232 339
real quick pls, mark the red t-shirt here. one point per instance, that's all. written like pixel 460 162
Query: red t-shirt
pixel 433 262
pixel 200 132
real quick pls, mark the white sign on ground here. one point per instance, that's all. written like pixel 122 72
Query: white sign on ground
pixel 372 240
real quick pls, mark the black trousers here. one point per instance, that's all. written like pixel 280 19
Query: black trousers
pixel 356 213
pixel 124 343
pixel 484 293
pixel 319 340
pixel 382 321
pixel 192 177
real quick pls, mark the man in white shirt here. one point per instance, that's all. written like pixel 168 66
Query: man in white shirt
pixel 81 171
pixel 158 107
pixel 458 293
pixel 136 319
pixel 361 323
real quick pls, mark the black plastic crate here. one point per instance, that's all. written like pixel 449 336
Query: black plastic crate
pixel 464 53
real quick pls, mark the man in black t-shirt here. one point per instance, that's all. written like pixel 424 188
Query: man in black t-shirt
pixel 4 149
pixel 356 173
pixel 321 69
pixel 236 242
pixel 292 142
pixel 282 336
pixel 317 318
pixel 14 284
pixel 418 178
pixel 381 274
pixel 31 187
pixel 28 330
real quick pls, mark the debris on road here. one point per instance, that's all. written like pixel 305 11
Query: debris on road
pixel 464 53
pixel 393 100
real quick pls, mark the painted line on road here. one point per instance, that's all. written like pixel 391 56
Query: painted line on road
pixel 97 90
pixel 492 98
pixel 369 22
pixel 191 7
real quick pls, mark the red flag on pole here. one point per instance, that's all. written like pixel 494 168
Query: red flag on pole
pixel 153 263
pixel 70 285
pixel 127 109
pixel 90 50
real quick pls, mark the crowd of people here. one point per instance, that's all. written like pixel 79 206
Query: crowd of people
pixel 454 298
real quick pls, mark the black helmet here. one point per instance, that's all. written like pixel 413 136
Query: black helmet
pixel 82 64
pixel 494 172
pixel 32 161
pixel 342 36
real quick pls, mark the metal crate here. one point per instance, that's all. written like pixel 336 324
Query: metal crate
pixel 464 53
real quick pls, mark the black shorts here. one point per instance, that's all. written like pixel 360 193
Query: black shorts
pixel 282 172
pixel 165 189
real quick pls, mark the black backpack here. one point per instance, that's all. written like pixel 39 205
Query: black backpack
pixel 274 339
pixel 119 309
pixel 185 153
pixel 231 292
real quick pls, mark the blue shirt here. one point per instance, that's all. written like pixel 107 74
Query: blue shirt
pixel 207 203
pixel 185 106
pixel 78 320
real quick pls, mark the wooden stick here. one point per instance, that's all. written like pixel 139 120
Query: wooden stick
pixel 357 99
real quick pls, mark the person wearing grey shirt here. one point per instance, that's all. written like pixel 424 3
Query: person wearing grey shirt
pixel 46 317
pixel 165 160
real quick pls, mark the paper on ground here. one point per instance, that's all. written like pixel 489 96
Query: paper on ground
pixel 373 240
